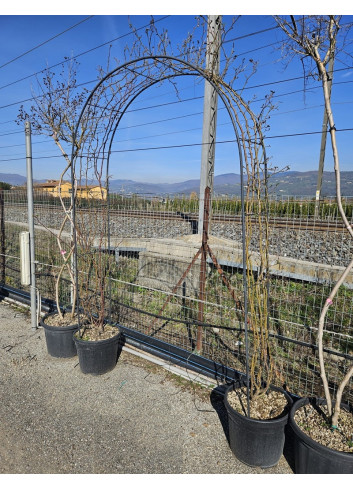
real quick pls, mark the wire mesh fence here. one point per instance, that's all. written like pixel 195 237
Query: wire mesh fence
pixel 153 278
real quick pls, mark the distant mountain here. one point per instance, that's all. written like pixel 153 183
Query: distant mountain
pixel 287 183
pixel 304 183
pixel 226 183
pixel 227 179
pixel 13 178
pixel 132 187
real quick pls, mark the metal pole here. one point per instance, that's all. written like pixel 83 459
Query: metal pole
pixel 108 238
pixel 209 113
pixel 31 223
pixel 2 238
pixel 73 230
pixel 203 267
pixel 72 259
pixel 323 142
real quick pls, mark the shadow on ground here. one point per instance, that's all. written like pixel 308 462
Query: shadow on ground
pixel 216 398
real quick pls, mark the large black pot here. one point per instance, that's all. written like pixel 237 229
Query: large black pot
pixel 98 357
pixel 59 339
pixel 312 457
pixel 258 443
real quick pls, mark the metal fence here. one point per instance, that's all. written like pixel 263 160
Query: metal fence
pixel 154 277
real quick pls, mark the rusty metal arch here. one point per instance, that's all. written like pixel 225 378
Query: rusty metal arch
pixel 194 71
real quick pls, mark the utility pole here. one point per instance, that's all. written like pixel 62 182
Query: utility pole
pixel 31 223
pixel 323 142
pixel 209 114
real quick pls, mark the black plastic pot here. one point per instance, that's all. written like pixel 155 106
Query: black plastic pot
pixel 258 443
pixel 59 339
pixel 312 457
pixel 98 357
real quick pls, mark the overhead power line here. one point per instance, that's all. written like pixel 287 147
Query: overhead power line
pixel 10 133
pixel 224 142
pixel 22 144
pixel 74 57
pixel 260 85
pixel 175 132
pixel 262 31
pixel 153 148
pixel 124 35
pixel 129 33
pixel 45 42
pixel 251 34
pixel 80 54
pixel 96 47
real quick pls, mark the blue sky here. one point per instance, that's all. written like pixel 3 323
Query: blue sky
pixel 167 122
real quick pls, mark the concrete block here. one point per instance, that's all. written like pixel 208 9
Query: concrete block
pixel 163 271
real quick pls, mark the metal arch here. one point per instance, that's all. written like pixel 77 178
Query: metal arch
pixel 110 147
pixel 198 72
pixel 143 58
pixel 130 102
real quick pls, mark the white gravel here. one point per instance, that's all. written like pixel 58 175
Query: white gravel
pixel 333 248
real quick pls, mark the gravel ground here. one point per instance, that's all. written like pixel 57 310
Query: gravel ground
pixel 332 248
pixel 136 419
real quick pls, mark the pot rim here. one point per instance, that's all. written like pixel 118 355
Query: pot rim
pixel 53 328
pixel 59 328
pixel 306 438
pixel 279 419
pixel 99 342
pixel 53 313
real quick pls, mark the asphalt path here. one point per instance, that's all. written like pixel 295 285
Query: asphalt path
pixel 137 419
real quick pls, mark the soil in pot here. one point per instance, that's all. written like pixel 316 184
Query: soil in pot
pixel 90 333
pixel 267 406
pixel 55 320
pixel 313 420
pixel 318 449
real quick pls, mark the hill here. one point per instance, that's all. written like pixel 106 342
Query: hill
pixel 289 183
pixel 12 179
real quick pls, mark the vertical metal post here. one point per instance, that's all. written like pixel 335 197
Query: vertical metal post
pixel 108 238
pixel 74 233
pixel 2 238
pixel 209 113
pixel 323 142
pixel 72 259
pixel 31 222
pixel 203 265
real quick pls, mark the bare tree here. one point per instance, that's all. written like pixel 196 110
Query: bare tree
pixel 315 39
pixel 57 102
